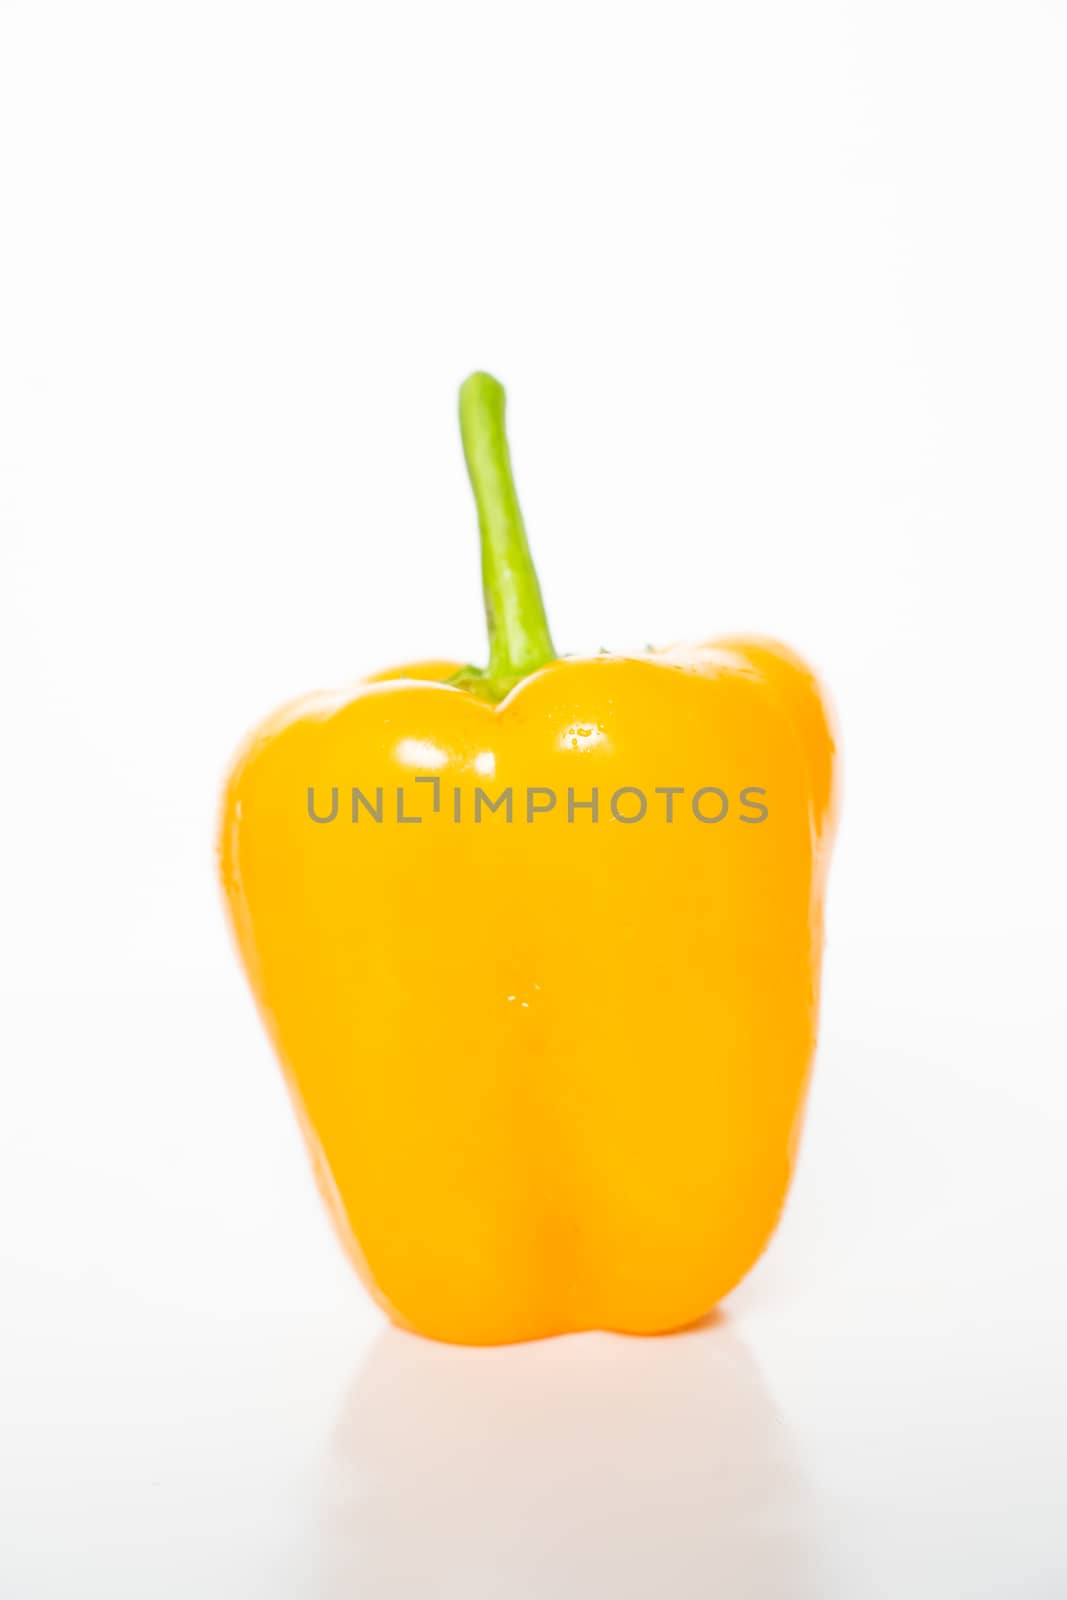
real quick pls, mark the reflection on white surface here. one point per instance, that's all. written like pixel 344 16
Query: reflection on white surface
pixel 585 1466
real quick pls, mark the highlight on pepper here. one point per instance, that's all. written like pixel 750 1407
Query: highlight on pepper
pixel 550 1066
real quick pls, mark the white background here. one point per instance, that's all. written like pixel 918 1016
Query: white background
pixel 779 296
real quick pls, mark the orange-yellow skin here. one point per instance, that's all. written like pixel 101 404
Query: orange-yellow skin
pixel 551 1073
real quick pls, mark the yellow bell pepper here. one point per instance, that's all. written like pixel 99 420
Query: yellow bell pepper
pixel 539 947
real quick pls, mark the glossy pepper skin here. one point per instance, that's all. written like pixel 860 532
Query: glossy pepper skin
pixel 551 1072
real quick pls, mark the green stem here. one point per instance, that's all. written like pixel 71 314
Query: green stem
pixel 519 640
